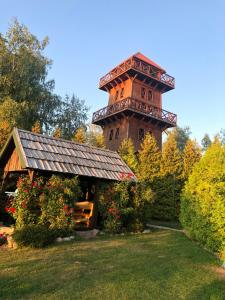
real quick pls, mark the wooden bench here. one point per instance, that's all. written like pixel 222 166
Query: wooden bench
pixel 83 212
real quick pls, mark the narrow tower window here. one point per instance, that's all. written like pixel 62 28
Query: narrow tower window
pixel 142 93
pixel 149 95
pixel 117 133
pixel 111 135
pixel 117 94
pixel 122 93
pixel 141 134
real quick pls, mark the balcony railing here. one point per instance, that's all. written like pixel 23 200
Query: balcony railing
pixel 137 106
pixel 138 65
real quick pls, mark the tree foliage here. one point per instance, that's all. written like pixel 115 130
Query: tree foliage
pixel 80 136
pixel 168 185
pixel 206 142
pixel 171 163
pixel 149 158
pixel 36 128
pixel 203 199
pixel 57 133
pixel 181 136
pixel 24 82
pixel 72 115
pixel 11 115
pixel 191 155
pixel 94 136
pixel 127 153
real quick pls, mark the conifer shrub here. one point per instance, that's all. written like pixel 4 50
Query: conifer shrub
pixel 203 200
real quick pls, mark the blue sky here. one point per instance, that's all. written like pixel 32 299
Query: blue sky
pixel 88 38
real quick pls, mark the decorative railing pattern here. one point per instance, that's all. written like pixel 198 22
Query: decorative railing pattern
pixel 139 65
pixel 136 105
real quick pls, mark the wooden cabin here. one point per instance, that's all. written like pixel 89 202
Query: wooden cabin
pixel 29 153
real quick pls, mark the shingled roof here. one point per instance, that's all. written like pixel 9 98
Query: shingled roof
pixel 44 153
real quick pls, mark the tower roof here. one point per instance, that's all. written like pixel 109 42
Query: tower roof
pixel 148 61
pixel 141 67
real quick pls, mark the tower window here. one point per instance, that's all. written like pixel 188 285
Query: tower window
pixel 117 133
pixel 141 134
pixel 122 93
pixel 111 135
pixel 142 93
pixel 117 94
pixel 149 95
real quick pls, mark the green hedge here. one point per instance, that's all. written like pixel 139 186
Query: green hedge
pixel 39 236
pixel 203 200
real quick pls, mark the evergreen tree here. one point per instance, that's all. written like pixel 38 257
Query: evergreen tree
pixel 149 159
pixel 80 136
pixel 192 154
pixel 57 133
pixel 171 163
pixel 203 199
pixel 127 153
pixel 181 136
pixel 36 127
pixel 206 142
pixel 169 185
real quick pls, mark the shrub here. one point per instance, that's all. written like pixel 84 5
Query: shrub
pixel 25 207
pixel 203 199
pixel 125 205
pixel 35 236
pixel 39 236
pixel 48 203
pixel 57 202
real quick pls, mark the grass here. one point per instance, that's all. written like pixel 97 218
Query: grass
pixel 159 265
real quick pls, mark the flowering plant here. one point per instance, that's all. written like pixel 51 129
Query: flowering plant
pixel 25 207
pixel 57 202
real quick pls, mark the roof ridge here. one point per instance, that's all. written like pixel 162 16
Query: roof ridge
pixel 63 140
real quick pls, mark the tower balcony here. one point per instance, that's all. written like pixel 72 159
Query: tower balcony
pixel 135 67
pixel 132 107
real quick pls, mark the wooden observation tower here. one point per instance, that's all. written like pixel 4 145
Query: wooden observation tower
pixel 134 108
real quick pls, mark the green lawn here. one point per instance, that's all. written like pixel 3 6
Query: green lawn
pixel 159 265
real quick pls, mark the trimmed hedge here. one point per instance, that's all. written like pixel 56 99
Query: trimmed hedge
pixel 203 200
pixel 38 236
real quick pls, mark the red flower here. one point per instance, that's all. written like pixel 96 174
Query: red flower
pixel 12 210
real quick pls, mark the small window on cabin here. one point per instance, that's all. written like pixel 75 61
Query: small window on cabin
pixel 122 93
pixel 141 134
pixel 111 135
pixel 117 133
pixel 149 95
pixel 117 94
pixel 142 93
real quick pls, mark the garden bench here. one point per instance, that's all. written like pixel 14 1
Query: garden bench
pixel 83 212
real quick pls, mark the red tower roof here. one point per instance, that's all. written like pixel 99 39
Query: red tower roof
pixel 148 61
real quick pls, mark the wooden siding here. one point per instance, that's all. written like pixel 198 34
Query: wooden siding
pixel 13 164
